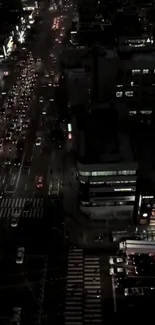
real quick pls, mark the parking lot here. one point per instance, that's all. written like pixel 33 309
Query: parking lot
pixel 133 278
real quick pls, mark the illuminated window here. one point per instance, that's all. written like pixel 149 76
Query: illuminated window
pixel 136 71
pixel 145 71
pixel 81 173
pixel 119 93
pixel 104 173
pixel 127 172
pixel 146 112
pixel 125 189
pixel 132 112
pixel 129 93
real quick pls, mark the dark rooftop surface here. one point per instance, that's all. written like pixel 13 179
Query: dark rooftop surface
pixel 103 141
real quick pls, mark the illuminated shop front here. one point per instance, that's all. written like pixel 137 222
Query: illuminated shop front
pixel 9 47
pixel 29 5
pixel 21 31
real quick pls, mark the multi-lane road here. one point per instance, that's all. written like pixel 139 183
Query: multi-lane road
pixel 23 119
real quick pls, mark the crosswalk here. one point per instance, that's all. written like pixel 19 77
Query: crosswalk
pixel 9 205
pixel 74 288
pixel 83 289
pixel 92 290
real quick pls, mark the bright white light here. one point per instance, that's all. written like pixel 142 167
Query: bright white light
pixel 69 127
pixel 4 50
pixel 145 215
pixel 21 38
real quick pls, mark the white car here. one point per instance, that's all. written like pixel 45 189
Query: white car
pixel 116 260
pixel 41 99
pixel 16 316
pixel 116 271
pixel 20 255
pixel 15 218
pixel 38 141
pixel 44 111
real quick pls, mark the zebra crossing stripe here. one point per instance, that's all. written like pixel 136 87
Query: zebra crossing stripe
pixel 9 205
pixel 92 285
pixel 74 302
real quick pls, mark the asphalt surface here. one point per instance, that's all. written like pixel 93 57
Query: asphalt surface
pixel 15 181
pixel 36 285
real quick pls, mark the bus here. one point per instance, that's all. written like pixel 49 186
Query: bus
pixel 56 80
pixel 54 188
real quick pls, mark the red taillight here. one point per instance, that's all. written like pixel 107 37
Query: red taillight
pixel 39 185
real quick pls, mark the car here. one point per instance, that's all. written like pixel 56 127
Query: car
pixel 18 128
pixel 23 135
pixel 12 127
pixel 20 255
pixel 41 99
pixel 23 114
pixel 1 143
pixel 1 195
pixel 116 260
pixel 27 164
pixel 44 111
pixel 20 145
pixel 8 116
pixel 8 136
pixel 39 181
pixel 27 206
pixel 17 161
pixel 15 218
pixel 14 140
pixel 16 316
pixel 8 162
pixel 2 112
pixel 120 271
pixel 25 125
pixel 38 141
pixel 15 118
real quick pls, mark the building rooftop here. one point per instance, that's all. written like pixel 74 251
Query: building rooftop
pixel 127 23
pixel 150 56
pixel 103 142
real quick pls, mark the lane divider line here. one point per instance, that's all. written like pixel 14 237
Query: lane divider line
pixel 19 173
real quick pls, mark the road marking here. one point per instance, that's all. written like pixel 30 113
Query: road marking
pixel 114 294
pixel 19 173
pixel 8 205
pixel 13 179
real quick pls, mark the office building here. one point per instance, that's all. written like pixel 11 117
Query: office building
pixel 106 169
pixel 10 11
